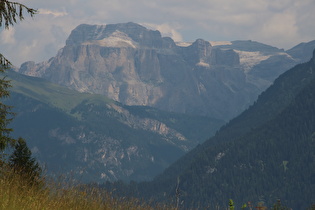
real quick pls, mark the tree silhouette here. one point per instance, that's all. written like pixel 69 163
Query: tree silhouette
pixel 10 14
pixel 22 162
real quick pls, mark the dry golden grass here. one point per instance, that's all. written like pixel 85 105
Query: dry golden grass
pixel 16 194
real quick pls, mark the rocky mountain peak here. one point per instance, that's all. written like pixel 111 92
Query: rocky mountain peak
pixel 198 53
pixel 201 44
pixel 27 67
pixel 133 32
pixel 303 51
pixel 137 66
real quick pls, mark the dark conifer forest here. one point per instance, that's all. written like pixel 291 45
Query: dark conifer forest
pixel 265 154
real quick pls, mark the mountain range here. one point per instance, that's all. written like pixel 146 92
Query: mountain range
pixel 137 66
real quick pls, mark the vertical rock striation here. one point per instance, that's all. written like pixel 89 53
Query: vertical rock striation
pixel 137 66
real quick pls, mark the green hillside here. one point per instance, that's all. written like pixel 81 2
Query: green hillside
pixel 96 139
pixel 51 94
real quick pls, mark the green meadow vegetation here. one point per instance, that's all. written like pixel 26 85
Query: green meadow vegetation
pixel 59 97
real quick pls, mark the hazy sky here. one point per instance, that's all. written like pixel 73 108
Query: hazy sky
pixel 280 23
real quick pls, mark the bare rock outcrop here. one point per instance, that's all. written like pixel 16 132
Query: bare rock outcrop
pixel 137 66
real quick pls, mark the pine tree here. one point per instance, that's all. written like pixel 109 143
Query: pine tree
pixel 22 162
pixel 5 112
pixel 10 13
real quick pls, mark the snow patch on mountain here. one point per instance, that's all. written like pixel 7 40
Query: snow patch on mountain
pixel 116 39
pixel 203 64
pixel 99 31
pixel 220 43
pixel 183 44
pixel 250 59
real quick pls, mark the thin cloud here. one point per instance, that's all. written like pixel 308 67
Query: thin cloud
pixel 53 13
pixel 7 36
pixel 166 30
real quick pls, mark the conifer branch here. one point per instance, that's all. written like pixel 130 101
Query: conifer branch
pixel 11 12
pixel 4 63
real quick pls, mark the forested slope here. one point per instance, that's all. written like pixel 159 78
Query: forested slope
pixel 264 154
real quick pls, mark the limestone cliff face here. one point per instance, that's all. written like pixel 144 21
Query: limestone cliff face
pixel 137 66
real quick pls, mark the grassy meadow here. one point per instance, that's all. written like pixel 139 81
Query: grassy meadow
pixel 16 194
